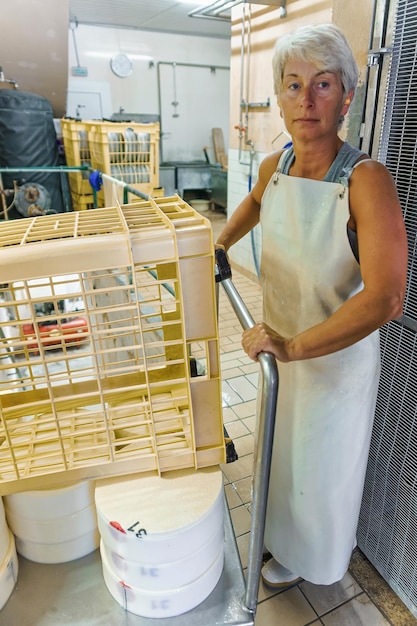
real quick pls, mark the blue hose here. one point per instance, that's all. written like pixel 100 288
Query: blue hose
pixel 252 239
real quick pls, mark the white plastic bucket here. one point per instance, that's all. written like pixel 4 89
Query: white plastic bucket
pixel 200 205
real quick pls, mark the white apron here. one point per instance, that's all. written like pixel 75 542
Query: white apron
pixel 326 404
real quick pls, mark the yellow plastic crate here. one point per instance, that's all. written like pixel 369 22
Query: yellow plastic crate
pixel 99 313
pixel 128 152
pixel 77 152
pixel 85 202
pixel 158 192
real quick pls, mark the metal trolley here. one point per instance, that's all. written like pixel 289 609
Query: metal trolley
pixel 74 593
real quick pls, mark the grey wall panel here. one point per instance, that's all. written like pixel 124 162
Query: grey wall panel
pixel 387 530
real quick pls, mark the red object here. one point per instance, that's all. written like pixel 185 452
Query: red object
pixel 118 526
pixel 69 330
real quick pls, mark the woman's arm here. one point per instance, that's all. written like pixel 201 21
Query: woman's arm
pixel 376 216
pixel 246 214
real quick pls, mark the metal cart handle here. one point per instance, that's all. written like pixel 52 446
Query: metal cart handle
pixel 265 435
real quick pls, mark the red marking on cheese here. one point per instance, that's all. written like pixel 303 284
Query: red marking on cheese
pixel 118 526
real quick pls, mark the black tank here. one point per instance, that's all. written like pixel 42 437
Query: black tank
pixel 28 138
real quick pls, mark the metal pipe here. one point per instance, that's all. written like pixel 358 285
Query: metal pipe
pixel 244 126
pixel 248 17
pixel 8 81
pixel 263 452
pixel 126 188
pixel 158 78
pixel 265 434
pixel 381 14
pixel 210 67
pixel 242 65
pixel 224 7
pixel 174 82
pixel 245 64
pixel 367 75
pixel 73 25
pixel 213 10
pixel 71 168
pixel 52 168
pixel 61 169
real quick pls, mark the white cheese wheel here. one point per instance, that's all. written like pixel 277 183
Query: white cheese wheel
pixel 46 504
pixel 165 603
pixel 2 513
pixel 9 569
pixel 55 530
pixel 59 552
pixel 4 541
pixel 165 575
pixel 160 519
pixel 4 534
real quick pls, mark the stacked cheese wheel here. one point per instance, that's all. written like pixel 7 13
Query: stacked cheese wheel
pixel 162 539
pixel 9 564
pixel 54 525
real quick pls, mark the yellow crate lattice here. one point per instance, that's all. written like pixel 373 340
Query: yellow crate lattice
pixel 77 152
pixel 114 395
pixel 128 152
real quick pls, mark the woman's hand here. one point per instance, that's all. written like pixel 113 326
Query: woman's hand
pixel 261 338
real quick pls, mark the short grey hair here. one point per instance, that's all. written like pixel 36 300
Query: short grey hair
pixel 324 45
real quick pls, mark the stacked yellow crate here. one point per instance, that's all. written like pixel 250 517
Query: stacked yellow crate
pixel 77 153
pixel 128 151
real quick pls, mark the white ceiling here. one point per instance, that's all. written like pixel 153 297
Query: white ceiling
pixel 157 15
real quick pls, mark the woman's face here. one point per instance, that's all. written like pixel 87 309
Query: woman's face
pixel 311 101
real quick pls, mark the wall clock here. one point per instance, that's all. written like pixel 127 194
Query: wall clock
pixel 121 65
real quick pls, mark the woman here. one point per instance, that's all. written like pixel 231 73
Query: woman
pixel 333 270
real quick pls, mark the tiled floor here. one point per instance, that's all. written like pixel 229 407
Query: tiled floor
pixel 346 603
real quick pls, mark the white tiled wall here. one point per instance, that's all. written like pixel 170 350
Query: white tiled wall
pixel 246 254
pixel 199 83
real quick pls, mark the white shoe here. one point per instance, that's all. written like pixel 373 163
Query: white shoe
pixel 276 575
